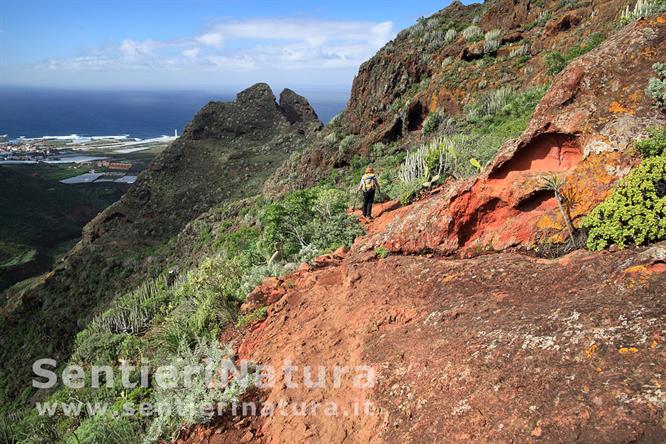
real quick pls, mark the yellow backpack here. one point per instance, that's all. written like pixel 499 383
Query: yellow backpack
pixel 368 182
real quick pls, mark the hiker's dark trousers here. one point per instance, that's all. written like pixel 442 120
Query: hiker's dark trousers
pixel 368 199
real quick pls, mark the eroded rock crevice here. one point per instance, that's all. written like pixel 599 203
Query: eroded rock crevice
pixel 548 152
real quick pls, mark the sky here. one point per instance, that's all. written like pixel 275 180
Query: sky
pixel 218 45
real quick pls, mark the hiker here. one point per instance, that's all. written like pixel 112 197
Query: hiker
pixel 369 183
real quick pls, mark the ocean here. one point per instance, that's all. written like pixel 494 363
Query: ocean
pixel 37 112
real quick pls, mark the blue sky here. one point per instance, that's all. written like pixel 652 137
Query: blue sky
pixel 196 44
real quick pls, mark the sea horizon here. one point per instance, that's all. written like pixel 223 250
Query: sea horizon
pixel 34 112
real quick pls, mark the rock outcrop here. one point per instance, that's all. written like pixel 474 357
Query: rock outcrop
pixel 581 131
pixel 297 109
pixel 227 151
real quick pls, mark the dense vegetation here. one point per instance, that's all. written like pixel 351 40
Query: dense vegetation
pixel 40 216
pixel 177 319
pixel 635 213
pixel 557 61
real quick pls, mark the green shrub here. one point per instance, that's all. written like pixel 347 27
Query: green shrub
pixel 635 213
pixel 199 393
pixel 107 429
pixel 347 145
pixel 30 429
pixel 472 33
pixel 654 145
pixel 309 217
pixel 100 348
pixel 556 61
pixel 489 103
pixel 8 432
pixel 204 301
pixel 242 244
pixel 250 318
pixel 656 88
pixel 381 252
pixel 432 122
pixel 492 41
pixel 520 51
pixel 133 312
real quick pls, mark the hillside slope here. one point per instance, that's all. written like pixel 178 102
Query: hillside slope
pixel 225 153
pixel 39 215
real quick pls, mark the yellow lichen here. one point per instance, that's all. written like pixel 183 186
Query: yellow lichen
pixel 636 269
pixel 591 350
pixel 628 350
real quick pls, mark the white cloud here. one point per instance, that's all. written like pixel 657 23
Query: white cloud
pixel 213 39
pixel 191 53
pixel 133 50
pixel 312 49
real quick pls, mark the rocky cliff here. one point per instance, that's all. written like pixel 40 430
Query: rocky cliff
pixel 423 71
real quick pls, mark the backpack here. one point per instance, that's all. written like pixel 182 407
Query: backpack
pixel 368 182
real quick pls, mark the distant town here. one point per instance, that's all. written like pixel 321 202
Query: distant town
pixel 106 156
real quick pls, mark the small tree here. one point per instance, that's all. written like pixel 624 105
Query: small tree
pixel 555 184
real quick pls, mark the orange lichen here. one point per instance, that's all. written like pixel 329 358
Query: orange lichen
pixel 617 107
pixel 592 181
pixel 636 269
pixel 546 222
pixel 661 20
pixel 649 53
pixel 635 97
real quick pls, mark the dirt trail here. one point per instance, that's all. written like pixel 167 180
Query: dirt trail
pixel 498 348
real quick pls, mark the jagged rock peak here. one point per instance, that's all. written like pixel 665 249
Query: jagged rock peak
pixel 254 111
pixel 259 92
pixel 296 108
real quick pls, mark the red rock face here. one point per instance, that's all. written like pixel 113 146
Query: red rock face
pixel 580 131
pixel 494 349
pixel 545 153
